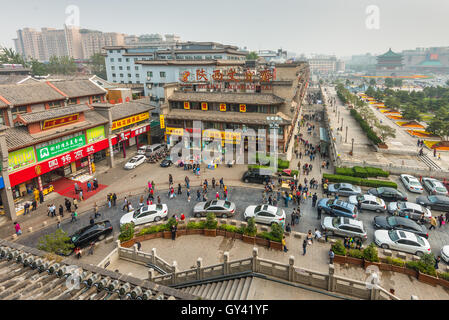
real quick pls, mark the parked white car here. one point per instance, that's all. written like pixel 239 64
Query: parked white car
pixel 146 214
pixel 411 183
pixel 445 253
pixel 369 202
pixel 434 186
pixel 344 227
pixel 135 161
pixel 265 214
pixel 402 241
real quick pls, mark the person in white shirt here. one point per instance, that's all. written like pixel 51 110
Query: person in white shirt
pixel 317 234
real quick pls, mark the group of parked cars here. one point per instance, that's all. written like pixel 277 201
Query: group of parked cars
pixel 402 230
pixel 143 154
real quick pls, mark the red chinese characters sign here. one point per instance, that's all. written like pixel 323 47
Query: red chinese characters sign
pixel 129 134
pixel 187 105
pixel 56 122
pixel 57 162
pixel 242 107
pixel 230 75
pixel 204 106
pixel 222 106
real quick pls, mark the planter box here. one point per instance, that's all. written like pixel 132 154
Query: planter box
pixel 382 146
pixel 366 264
pixel 355 261
pixel 195 231
pixel 340 259
pixel 127 244
pixel 411 272
pixel 248 239
pixel 275 245
pixel 221 232
pixel 443 282
pixel 428 279
pixel 262 242
pixel 238 235
pixel 152 236
pixel 166 234
pixel 181 232
pixel 385 267
pixel 229 234
pixel 210 232
pixel 398 269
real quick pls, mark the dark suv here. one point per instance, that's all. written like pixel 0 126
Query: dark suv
pixel 255 176
pixel 337 208
pixel 93 232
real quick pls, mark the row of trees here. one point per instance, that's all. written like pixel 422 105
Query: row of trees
pixel 384 131
pixel 412 105
pixel 56 65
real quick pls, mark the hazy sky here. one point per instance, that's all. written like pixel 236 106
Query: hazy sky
pixel 302 26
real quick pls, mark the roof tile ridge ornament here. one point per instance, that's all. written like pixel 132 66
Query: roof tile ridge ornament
pixel 56 89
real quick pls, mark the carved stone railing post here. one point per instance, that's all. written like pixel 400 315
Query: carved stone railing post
pixel 199 265
pixel 226 263
pixel 291 268
pixel 153 256
pixel 255 261
pixel 331 279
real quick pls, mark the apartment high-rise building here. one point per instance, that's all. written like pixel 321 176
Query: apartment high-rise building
pixel 73 39
pixel 29 44
pixel 93 42
pixel 55 43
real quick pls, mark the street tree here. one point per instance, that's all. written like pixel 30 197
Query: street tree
pixel 57 243
pixel 398 82
pixel 386 131
pixel 252 56
pixel 439 127
pixel 372 82
pixel 38 68
pixel 411 113
pixel 98 65
pixel 389 82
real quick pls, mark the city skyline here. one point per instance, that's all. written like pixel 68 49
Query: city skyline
pixel 296 26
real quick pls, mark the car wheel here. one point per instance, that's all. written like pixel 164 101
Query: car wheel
pixel 419 253
pixel 246 180
pixel 224 216
pixel 385 246
pixel 378 210
pixel 198 215
pixel 157 219
pixel 100 238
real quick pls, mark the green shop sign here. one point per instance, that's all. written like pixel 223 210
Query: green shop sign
pixel 60 147
pixel 95 134
pixel 21 158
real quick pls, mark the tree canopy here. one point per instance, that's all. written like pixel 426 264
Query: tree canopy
pixel 252 56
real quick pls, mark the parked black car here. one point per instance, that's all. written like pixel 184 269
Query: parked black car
pixel 166 163
pixel 255 176
pixel 94 232
pixel 434 202
pixel 388 194
pixel 401 224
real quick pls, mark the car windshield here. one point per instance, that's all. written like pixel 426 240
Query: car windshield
pixel 392 221
pixel 257 209
pixel 136 213
pixel 420 240
pixel 440 189
pixel 401 205
pixel 132 160
pixel 380 190
pixel 378 201
pixel 142 148
pixel 207 204
pixel 414 183
pixel 227 204
pixel 432 199
pixel 159 207
pixel 393 235
pixel 336 222
pixel 279 212
pixel 337 185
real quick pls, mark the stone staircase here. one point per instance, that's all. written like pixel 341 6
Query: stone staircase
pixel 429 162
pixel 234 289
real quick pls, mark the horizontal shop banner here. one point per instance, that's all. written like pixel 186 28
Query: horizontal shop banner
pixel 129 134
pixel 57 162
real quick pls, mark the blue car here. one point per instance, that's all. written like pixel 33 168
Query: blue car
pixel 337 208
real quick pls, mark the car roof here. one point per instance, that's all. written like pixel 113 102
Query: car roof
pixel 441 197
pixel 352 222
pixel 269 208
pixel 407 235
pixel 370 197
pixel 406 221
pixel 344 204
pixel 409 176
pixel 412 205
pixel 344 184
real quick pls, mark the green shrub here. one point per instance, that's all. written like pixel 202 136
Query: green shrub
pixel 338 178
pixel 355 253
pixel 360 172
pixel 378 183
pixel 211 221
pixel 376 172
pixel 395 261
pixel 344 171
pixel 228 228
pixel 424 265
pixel 126 232
pixel 170 222
pixel 153 229
pixel 267 236
pixel 371 135
pixel 370 253
pixel 196 225
pixel 251 229
pixel 277 232
pixel 283 164
pixel 359 181
pixel 339 248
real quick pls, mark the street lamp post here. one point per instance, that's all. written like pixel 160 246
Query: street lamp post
pixel 346 137
pixel 352 147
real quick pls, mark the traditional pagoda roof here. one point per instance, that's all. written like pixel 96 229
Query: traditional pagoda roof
pixel 390 54
pixel 227 97
pixel 38 116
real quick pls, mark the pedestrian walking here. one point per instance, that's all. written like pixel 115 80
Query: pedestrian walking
pixel 17 228
pixel 91 248
pixel 179 188
pixel 314 199
pixel 114 199
pixel 437 261
pixel 96 213
pixel 331 256
pixel 173 231
pixel 125 204
pixel 433 223
pixel 441 220
pixel 359 206
pixel 41 197
pixel 91 221
pixel 61 210
pixel 221 183
pixel 81 195
pixel 95 184
pixel 74 215
pixel 26 208
pixel 304 247
pixel 89 186
pixel 284 244
pixel 213 183
pixel 139 245
pixel 77 252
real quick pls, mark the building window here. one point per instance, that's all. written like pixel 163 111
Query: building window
pixel 119 59
pixel 208 57
pixel 55 104
pixel 138 81
pixel 118 51
pixel 130 81
pixel 136 68
pixel 121 75
pixel 73 101
pixel 111 51
pixel 149 73
pixel 113 75
pixel 198 57
pixel 18 110
pixel 112 68
pixel 128 68
pixel 137 75
pixel 112 59
pixel 218 57
pixel 120 68
pixel 97 99
pixel 127 59
pixel 162 74
pixel 129 75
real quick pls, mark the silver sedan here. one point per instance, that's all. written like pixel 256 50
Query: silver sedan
pixel 220 208
pixel 369 202
pixel 344 189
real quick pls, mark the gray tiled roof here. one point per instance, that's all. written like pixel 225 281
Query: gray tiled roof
pixel 127 109
pixel 227 97
pixel 28 93
pixel 18 137
pixel 78 87
pixel 53 113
